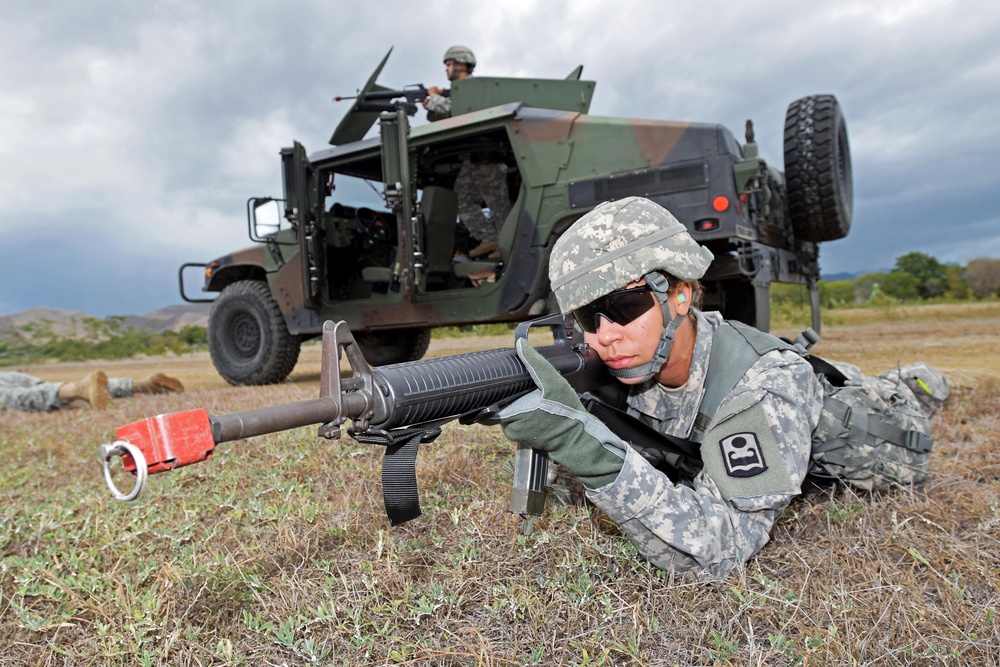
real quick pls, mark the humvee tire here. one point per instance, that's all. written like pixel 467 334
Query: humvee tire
pixel 248 340
pixel 818 169
pixel 393 347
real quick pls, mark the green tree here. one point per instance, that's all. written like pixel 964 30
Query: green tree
pixel 928 273
pixel 193 335
pixel 865 284
pixel 836 293
pixel 901 285
pixel 934 287
pixel 956 287
pixel 788 293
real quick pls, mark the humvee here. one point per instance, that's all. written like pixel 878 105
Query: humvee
pixel 396 265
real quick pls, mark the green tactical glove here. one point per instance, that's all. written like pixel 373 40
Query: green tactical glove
pixel 552 419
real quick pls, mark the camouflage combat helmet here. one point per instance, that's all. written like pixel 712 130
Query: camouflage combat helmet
pixel 619 242
pixel 461 54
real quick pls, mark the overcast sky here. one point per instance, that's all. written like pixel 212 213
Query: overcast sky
pixel 132 133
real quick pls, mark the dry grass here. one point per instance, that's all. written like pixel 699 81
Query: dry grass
pixel 277 552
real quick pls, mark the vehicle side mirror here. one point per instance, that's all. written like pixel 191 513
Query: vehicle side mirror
pixel 265 216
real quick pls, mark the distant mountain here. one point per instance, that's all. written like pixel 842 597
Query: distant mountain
pixel 70 322
pixel 171 318
pixel 844 275
pixel 839 276
pixel 64 322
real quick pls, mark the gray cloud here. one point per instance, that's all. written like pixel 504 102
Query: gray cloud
pixel 132 134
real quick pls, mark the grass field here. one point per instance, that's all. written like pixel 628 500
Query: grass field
pixel 276 552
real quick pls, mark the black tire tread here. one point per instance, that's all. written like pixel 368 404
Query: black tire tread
pixel 282 352
pixel 818 169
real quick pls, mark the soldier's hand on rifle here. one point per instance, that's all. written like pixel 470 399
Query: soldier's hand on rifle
pixel 433 90
pixel 553 419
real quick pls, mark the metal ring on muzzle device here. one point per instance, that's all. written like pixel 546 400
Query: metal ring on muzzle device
pixel 120 448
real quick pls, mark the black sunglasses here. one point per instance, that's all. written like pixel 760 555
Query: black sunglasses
pixel 620 307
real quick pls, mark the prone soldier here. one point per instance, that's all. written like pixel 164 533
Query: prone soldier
pixel 628 271
pixel 20 391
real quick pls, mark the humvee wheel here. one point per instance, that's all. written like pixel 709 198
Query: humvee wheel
pixel 247 336
pixel 818 169
pixel 393 347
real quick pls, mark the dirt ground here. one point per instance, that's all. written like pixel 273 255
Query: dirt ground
pixel 278 550
pixel 962 340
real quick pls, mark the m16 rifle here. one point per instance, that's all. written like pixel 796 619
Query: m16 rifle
pixel 385 100
pixel 397 406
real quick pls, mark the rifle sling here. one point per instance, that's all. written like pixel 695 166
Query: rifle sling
pixel 399 480
pixel 399 466
pixel 676 457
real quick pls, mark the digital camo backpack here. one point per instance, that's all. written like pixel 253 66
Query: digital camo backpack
pixel 873 432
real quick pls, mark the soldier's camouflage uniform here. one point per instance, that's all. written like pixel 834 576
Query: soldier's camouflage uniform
pixel 478 182
pixel 120 387
pixel 723 518
pixel 757 448
pixel 20 391
pixel 438 107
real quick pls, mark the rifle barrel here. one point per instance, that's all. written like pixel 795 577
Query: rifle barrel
pixel 250 423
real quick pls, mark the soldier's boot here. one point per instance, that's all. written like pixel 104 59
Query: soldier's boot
pixel 93 389
pixel 484 248
pixel 157 383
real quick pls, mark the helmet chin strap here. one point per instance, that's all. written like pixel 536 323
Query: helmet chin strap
pixel 659 286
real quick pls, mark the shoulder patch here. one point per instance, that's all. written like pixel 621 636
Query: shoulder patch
pixel 742 455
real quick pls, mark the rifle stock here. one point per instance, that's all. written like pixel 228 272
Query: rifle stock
pixel 398 406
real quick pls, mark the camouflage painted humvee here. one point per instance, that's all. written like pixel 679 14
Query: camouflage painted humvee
pixel 398 268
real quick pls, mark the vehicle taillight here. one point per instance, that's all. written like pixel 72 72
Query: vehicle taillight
pixel 706 225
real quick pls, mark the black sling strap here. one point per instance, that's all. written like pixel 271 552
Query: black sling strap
pixel 676 457
pixel 399 466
